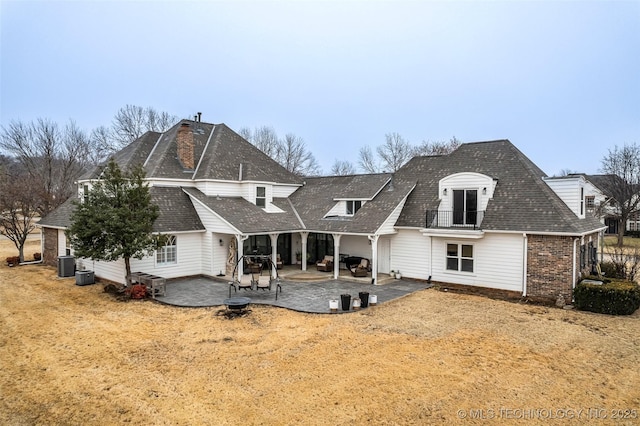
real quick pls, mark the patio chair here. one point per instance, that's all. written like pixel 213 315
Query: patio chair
pixel 361 269
pixel 326 264
pixel 253 267
pixel 263 281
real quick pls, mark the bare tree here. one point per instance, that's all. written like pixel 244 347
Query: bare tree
pixel 622 169
pixel 294 156
pixel 437 147
pixel 103 145
pixel 290 152
pixel 342 168
pixel 17 206
pixel 395 152
pixel 367 161
pixel 264 138
pixel 131 122
pixel 53 159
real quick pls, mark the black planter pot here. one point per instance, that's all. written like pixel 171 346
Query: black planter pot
pixel 364 298
pixel 346 301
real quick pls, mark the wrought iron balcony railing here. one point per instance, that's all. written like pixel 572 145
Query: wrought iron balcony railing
pixel 454 218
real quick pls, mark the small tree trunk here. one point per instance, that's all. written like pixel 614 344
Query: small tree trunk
pixel 621 229
pixel 127 267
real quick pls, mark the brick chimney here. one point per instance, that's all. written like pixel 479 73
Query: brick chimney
pixel 185 146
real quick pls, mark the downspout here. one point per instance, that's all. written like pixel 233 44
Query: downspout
pixel 574 276
pixel 374 257
pixel 525 255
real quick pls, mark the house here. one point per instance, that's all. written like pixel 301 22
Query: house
pixel 589 194
pixel 483 216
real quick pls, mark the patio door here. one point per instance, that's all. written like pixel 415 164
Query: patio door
pixel 384 255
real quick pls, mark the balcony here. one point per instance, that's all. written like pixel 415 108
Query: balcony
pixel 468 219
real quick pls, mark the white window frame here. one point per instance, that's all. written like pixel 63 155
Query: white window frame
pixel 261 201
pixel 353 206
pixel 459 258
pixel 168 254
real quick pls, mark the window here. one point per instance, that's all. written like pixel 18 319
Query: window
pixel 465 206
pixel 353 207
pixel 581 201
pixel 85 193
pixel 590 202
pixel 167 254
pixel 460 257
pixel 261 196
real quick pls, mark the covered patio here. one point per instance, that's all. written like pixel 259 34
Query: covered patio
pixel 304 295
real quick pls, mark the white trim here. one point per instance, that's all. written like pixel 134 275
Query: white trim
pixel 203 153
pixel 233 228
pixel 152 150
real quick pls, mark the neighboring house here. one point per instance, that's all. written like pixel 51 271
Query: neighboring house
pixel 588 195
pixel 481 216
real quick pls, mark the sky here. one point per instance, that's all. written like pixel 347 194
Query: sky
pixel 559 79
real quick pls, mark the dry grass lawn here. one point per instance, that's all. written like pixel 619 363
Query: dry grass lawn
pixel 75 355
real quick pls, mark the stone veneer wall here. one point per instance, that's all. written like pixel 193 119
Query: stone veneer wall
pixel 550 267
pixel 50 255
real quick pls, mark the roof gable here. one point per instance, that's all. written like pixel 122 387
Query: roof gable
pixel 521 200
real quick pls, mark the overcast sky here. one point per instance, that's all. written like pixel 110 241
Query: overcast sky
pixel 560 79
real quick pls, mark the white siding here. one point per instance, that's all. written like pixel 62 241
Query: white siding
pixel 497 258
pixel 223 189
pixel 339 209
pixel 410 254
pixel 220 252
pixel 189 261
pixel 62 243
pixel 354 245
pixel 283 191
pixel 388 226
pixel 212 222
pixel 568 189
pixel 207 250
pixel 460 181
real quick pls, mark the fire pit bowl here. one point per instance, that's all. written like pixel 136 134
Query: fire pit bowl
pixel 237 303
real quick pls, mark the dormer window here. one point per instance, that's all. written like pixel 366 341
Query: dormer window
pixel 261 196
pixel 353 206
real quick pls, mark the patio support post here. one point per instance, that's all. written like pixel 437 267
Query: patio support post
pixel 274 248
pixel 336 256
pixel 303 237
pixel 240 239
pixel 374 257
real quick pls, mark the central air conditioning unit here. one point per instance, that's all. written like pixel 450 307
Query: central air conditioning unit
pixel 66 266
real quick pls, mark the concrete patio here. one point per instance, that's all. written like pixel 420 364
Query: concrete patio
pixel 304 292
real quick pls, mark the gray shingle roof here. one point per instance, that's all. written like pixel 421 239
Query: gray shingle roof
pixel 247 217
pixel 228 150
pixel 316 198
pixel 176 212
pixel 217 156
pixel 522 201
pixel 361 186
pixel 60 217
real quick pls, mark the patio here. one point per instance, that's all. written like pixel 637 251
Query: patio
pixel 301 291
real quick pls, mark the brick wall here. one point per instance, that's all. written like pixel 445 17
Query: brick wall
pixel 550 267
pixel 186 147
pixel 50 255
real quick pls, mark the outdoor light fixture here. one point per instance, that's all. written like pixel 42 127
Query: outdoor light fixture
pixel 444 191
pixel 221 242
pixel 484 191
